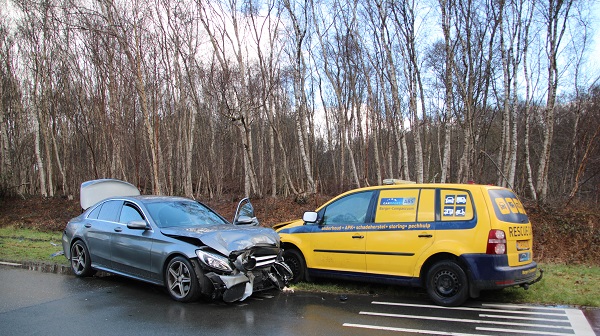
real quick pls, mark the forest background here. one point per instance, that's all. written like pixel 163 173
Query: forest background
pixel 282 98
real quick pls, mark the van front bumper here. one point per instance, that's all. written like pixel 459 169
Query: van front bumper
pixel 493 272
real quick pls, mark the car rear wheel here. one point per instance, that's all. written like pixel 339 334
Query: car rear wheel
pixel 447 284
pixel 181 280
pixel 294 259
pixel 81 264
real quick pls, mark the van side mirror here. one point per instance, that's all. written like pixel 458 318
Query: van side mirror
pixel 309 217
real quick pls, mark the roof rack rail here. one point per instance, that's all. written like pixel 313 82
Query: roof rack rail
pixel 396 181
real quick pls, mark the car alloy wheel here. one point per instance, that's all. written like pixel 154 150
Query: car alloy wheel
pixel 181 280
pixel 80 260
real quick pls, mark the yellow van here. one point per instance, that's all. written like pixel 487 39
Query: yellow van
pixel 452 239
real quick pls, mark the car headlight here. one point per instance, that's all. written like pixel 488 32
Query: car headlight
pixel 214 261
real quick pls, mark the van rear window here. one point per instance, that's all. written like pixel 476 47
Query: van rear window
pixel 507 206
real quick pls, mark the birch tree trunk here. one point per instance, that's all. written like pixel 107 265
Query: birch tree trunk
pixel 446 19
pixel 556 16
pixel 299 83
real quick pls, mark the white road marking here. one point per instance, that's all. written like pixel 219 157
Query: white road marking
pixel 414 331
pixel 579 322
pixel 523 318
pixel 565 321
pixel 530 332
pixel 450 319
pixel 514 306
pixel 470 308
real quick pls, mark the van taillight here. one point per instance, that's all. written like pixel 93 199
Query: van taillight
pixel 496 242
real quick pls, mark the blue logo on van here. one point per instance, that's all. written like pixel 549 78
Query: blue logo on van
pixel 398 201
pixel 448 211
pixel 461 199
pixel 449 199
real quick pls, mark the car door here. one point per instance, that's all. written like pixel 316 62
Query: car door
pixel 98 230
pixel 405 221
pixel 131 248
pixel 337 241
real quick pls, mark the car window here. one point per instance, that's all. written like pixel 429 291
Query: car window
pixel 507 206
pixel 397 205
pixel 94 213
pixel 110 210
pixel 456 205
pixel 351 209
pixel 426 211
pixel 130 213
pixel 183 213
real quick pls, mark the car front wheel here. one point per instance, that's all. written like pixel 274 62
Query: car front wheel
pixel 81 264
pixel 447 284
pixel 181 280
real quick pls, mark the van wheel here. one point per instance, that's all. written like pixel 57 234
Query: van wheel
pixel 447 284
pixel 294 259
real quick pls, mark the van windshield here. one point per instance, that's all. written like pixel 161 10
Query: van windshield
pixel 507 206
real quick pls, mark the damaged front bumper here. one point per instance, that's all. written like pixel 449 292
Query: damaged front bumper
pixel 240 286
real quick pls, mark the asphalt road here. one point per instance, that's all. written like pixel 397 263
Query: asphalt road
pixel 37 303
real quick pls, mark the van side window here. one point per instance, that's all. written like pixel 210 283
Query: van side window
pixel 397 205
pixel 456 205
pixel 352 209
pixel 426 212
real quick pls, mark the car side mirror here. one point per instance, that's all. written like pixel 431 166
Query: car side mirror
pixel 310 217
pixel 244 220
pixel 137 225
pixel 244 214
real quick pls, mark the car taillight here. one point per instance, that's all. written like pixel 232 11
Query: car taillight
pixel 496 242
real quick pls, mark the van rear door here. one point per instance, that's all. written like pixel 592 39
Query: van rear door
pixel 509 216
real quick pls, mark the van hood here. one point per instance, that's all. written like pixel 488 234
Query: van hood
pixel 291 224
pixel 227 238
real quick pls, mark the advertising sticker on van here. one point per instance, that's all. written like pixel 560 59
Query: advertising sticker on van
pixel 449 211
pixel 507 206
pixel 398 201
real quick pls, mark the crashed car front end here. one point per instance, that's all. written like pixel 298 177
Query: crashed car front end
pixel 242 272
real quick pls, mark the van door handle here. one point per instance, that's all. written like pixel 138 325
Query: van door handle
pixel 87 225
pixel 358 237
pixel 425 235
pixel 118 229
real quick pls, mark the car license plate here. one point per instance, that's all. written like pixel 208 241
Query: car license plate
pixel 522 245
pixel 524 256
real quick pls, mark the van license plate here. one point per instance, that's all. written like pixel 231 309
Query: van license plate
pixel 524 256
pixel 522 245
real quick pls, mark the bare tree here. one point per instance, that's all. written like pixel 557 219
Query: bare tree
pixel 556 15
pixel 299 29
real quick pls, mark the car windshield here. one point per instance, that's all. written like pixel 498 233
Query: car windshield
pixel 183 213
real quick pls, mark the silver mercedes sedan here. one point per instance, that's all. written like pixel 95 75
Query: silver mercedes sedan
pixel 174 242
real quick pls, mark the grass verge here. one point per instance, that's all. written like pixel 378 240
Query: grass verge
pixel 27 245
pixel 562 284
pixel 573 285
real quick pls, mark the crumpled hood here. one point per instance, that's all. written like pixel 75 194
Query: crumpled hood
pixel 227 238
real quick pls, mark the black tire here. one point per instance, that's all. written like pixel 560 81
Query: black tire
pixel 447 284
pixel 295 260
pixel 81 263
pixel 181 281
